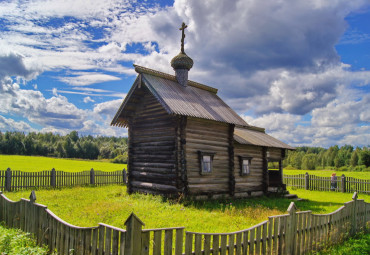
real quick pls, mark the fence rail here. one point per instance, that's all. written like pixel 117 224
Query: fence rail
pixel 11 180
pixel 292 233
pixel 313 182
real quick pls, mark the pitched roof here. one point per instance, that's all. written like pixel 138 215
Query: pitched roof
pixel 256 136
pixel 195 100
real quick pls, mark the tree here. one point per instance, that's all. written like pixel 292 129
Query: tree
pixel 365 158
pixel 354 158
pixel 309 161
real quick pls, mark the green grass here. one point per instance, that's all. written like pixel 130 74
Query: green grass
pixel 356 245
pixel 327 173
pixel 35 163
pixel 87 206
pixel 16 242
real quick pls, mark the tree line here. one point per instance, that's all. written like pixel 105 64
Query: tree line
pixel 346 158
pixel 67 146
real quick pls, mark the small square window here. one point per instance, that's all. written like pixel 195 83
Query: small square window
pixel 205 159
pixel 245 165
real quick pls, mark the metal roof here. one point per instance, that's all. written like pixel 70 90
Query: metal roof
pixel 195 100
pixel 253 137
pixel 191 101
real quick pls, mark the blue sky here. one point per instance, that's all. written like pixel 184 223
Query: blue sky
pixel 300 69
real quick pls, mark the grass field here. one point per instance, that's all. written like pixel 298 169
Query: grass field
pixel 87 206
pixel 327 173
pixel 35 163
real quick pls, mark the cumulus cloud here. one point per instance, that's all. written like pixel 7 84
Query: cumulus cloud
pixel 12 125
pixel 276 61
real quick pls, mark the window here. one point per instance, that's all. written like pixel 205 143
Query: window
pixel 206 160
pixel 245 165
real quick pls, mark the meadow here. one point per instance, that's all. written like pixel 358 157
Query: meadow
pixel 37 163
pixel 88 206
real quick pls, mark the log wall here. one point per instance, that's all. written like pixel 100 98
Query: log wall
pixel 153 155
pixel 254 181
pixel 213 137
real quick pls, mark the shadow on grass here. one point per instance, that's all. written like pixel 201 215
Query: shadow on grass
pixel 268 202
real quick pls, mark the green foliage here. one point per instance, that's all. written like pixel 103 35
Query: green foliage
pixel 16 242
pixel 344 158
pixel 34 163
pixel 69 146
pixel 365 158
pixel 120 159
pixel 356 245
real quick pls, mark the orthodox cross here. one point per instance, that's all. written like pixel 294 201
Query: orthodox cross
pixel 183 26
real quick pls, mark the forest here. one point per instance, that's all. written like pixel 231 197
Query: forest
pixel 345 158
pixel 68 146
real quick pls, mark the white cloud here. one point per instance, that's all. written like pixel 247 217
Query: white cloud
pixel 87 78
pixel 12 125
pixel 88 99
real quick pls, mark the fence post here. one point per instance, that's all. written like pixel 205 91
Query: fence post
pixel 8 179
pixel 343 183
pixel 307 181
pixel 124 176
pixel 133 235
pixel 291 229
pixel 354 214
pixel 92 176
pixel 53 178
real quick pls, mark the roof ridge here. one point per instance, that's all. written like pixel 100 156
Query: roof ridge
pixel 141 69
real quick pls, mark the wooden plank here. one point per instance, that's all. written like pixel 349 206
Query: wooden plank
pixel 258 240
pixel 188 243
pixel 94 244
pixel 198 244
pixel 207 244
pixel 145 238
pixel 157 241
pixel 101 239
pixel 231 244
pixel 245 242
pixel 179 241
pixel 216 244
pixel 251 241
pixel 223 244
pixel 168 236
pixel 239 248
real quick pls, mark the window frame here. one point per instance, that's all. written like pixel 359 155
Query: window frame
pixel 241 161
pixel 201 162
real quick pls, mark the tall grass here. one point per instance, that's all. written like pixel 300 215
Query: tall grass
pixel 17 242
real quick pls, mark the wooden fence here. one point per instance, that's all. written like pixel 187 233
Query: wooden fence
pixel 313 182
pixel 292 233
pixel 11 180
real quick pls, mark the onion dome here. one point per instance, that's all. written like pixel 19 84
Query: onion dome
pixel 182 61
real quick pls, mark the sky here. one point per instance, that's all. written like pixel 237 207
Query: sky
pixel 299 68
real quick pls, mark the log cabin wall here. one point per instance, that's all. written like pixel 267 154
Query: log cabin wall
pixel 275 154
pixel 209 137
pixel 153 158
pixel 253 182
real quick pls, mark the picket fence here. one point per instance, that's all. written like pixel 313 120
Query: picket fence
pixel 313 182
pixel 11 180
pixel 292 233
